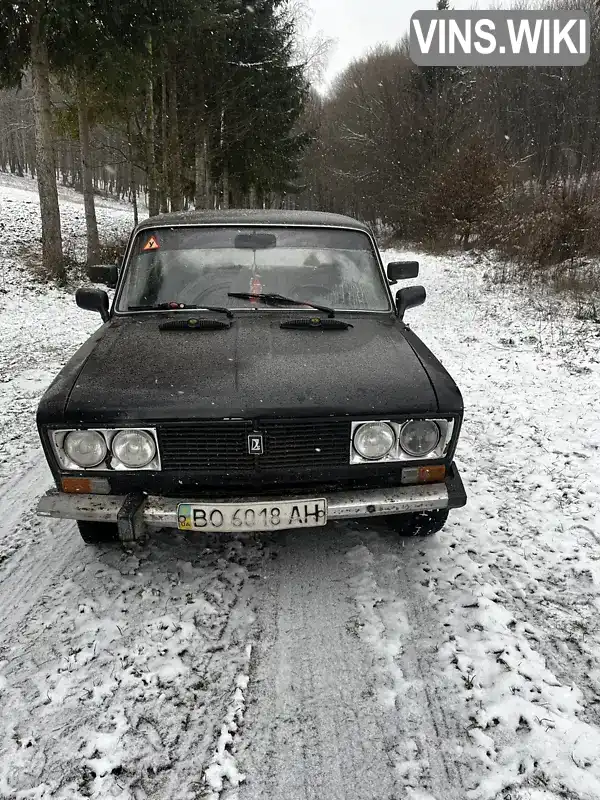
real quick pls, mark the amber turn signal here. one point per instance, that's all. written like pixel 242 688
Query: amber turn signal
pixel 85 485
pixel 432 474
pixel 416 475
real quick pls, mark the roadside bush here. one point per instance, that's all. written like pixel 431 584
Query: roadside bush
pixel 539 227
pixel 463 197
pixel 550 236
pixel 73 258
pixel 30 257
pixel 112 249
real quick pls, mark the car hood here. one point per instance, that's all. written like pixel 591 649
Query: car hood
pixel 135 372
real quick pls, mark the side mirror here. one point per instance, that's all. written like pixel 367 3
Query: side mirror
pixel 411 297
pixel 93 300
pixel 402 270
pixel 106 274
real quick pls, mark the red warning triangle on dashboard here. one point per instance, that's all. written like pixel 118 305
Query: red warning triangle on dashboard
pixel 152 244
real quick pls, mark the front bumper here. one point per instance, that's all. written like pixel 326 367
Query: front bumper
pixel 136 514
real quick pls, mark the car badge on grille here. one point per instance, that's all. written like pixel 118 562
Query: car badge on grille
pixel 255 444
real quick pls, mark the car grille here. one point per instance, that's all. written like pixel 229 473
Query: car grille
pixel 222 447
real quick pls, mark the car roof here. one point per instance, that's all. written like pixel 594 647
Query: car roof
pixel 245 216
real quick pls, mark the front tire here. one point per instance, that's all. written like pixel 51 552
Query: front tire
pixel 424 523
pixel 98 532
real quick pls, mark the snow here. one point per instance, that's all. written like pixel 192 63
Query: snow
pixel 346 663
pixel 39 327
pixel 517 571
pixel 223 766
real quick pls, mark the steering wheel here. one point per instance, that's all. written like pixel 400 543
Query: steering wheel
pixel 313 288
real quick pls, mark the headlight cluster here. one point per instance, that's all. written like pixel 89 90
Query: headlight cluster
pixel 374 440
pixel 86 449
pixel 107 449
pixel 419 438
pixel 400 441
pixel 134 449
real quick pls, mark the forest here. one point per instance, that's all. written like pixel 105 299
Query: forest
pixel 212 104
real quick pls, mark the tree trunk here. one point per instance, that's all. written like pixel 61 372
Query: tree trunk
pixel 11 154
pixel 174 143
pixel 153 207
pixel 52 254
pixel 225 182
pixel 203 197
pixel 23 143
pixel 208 186
pixel 201 168
pixel 225 172
pixel 132 181
pixel 164 139
pixel 91 224
pixel 235 194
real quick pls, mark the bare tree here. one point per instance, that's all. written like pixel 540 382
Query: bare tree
pixel 91 224
pixel 45 159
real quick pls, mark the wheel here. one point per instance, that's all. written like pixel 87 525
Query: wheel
pixel 98 532
pixel 423 524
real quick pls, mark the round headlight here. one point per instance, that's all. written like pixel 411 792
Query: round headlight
pixel 134 449
pixel 374 440
pixel 85 448
pixel 419 437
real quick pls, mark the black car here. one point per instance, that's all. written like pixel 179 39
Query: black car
pixel 253 372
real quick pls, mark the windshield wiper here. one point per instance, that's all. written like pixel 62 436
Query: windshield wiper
pixel 279 300
pixel 172 306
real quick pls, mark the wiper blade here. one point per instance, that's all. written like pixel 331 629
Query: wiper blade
pixel 279 300
pixel 172 306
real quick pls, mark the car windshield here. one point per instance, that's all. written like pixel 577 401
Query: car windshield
pixel 201 265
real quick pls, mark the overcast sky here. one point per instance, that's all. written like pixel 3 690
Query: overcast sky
pixel 358 25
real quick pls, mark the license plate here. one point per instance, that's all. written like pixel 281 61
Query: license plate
pixel 231 517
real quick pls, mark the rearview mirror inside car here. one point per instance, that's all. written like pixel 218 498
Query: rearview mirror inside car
pixel 108 274
pixel 411 297
pixel 92 299
pixel 255 241
pixel 402 270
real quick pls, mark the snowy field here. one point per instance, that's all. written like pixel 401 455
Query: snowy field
pixel 343 664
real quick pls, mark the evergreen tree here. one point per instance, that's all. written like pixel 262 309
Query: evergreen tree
pixel 262 102
pixel 25 30
pixel 243 101
pixel 201 95
pixel 75 35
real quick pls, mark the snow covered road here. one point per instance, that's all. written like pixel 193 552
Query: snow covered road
pixel 345 663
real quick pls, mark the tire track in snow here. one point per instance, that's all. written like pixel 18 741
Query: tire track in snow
pixel 403 630
pixel 205 722
pixel 310 727
pixel 19 494
pixel 51 549
pixel 35 574
pixel 566 635
pixel 328 712
pixel 136 659
pixel 31 570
